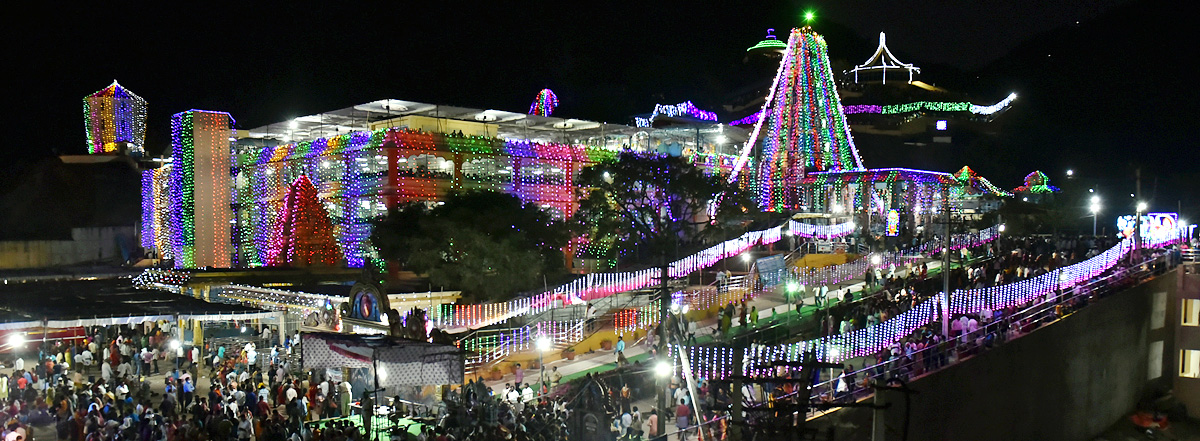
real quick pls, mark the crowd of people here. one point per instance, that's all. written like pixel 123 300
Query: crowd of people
pixel 66 391
pixel 1007 260
pixel 475 412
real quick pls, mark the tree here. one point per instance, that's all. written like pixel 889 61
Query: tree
pixel 487 244
pixel 656 204
pixel 651 202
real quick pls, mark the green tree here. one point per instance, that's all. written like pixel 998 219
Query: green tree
pixel 657 205
pixel 487 244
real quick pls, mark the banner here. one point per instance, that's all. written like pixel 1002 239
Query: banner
pixel 400 362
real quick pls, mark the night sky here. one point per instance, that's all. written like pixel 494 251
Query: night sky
pixel 1102 96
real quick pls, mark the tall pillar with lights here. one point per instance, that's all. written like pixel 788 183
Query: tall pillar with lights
pixel 200 189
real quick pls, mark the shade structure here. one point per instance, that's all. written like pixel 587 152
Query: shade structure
pixel 65 304
pixel 399 362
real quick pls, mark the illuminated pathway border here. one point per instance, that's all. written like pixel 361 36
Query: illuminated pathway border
pixel 716 362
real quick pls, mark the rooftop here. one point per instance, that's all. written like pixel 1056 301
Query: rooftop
pixel 509 125
pixel 104 302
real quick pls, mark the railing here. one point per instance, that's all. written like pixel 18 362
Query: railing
pixel 867 341
pixel 996 331
pixel 597 285
pixel 820 231
pixel 832 274
pixel 492 346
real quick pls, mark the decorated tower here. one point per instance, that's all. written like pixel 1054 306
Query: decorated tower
pixel 303 232
pixel 115 121
pixel 802 126
pixel 199 186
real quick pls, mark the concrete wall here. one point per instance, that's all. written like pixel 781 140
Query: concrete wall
pixel 86 245
pixel 1186 389
pixel 1067 381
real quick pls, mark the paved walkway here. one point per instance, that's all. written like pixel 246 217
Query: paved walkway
pixel 768 304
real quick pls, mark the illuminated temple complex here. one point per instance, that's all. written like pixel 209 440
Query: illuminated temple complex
pixel 809 162
pixel 368 158
pixel 221 198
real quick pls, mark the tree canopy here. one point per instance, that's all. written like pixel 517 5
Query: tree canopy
pixel 487 244
pixel 658 204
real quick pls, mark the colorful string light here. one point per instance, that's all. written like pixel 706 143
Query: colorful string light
pixel 685 108
pixel 303 234
pixel 544 103
pixel 806 129
pixel 1036 183
pixel 715 362
pixel 915 107
pixel 199 215
pixel 114 118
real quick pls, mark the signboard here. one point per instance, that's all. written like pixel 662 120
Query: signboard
pixel 1155 226
pixel 771 269
pixel 825 247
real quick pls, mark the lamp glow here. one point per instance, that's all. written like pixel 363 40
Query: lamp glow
pixel 662 369
pixel 543 344
pixel 16 340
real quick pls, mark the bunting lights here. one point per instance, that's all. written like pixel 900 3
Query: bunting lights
pixel 716 362
pixel 920 106
pixel 544 103
pixel 969 184
pixel 114 120
pixel 685 108
pixel 821 231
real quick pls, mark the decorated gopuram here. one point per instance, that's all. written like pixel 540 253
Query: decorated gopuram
pixel 808 160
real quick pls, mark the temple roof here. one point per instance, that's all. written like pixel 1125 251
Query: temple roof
pixel 115 90
pixel 769 43
pixel 883 59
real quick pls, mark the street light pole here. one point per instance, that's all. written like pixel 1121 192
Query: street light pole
pixel 543 344
pixel 946 269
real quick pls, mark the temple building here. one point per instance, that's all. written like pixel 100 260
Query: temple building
pixel 364 160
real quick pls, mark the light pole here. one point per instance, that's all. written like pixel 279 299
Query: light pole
pixel 543 345
pixel 1137 226
pixel 1094 208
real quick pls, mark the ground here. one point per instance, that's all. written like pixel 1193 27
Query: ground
pixel 1125 430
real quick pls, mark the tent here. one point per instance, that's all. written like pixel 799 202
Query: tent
pixel 397 362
